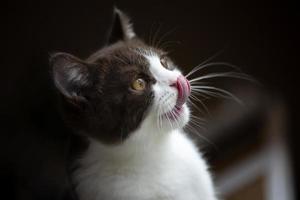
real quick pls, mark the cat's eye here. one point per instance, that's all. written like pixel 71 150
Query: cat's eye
pixel 139 84
pixel 164 62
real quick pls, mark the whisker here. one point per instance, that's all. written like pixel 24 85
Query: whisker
pixel 194 131
pixel 200 67
pixel 155 35
pixel 198 94
pixel 224 75
pixel 193 104
pixel 205 89
pixel 205 61
pixel 158 118
pixel 198 125
pixel 169 121
pixel 158 44
pixel 174 115
pixel 211 93
pixel 199 119
pixel 202 104
pixel 165 45
pixel 150 34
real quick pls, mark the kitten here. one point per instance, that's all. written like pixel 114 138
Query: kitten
pixel 129 102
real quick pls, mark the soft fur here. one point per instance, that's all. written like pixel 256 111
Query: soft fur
pixel 136 146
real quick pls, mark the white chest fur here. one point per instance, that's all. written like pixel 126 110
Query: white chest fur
pixel 167 169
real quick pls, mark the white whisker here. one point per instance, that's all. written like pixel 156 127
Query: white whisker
pixel 174 115
pixel 198 125
pixel 200 67
pixel 204 62
pixel 223 75
pixel 198 94
pixel 194 131
pixel 193 104
pixel 220 92
pixel 202 104
pixel 158 118
pixel 200 119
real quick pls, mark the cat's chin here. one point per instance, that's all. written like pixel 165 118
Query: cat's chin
pixel 174 114
pixel 178 117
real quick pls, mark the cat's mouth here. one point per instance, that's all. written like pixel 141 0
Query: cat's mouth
pixel 184 91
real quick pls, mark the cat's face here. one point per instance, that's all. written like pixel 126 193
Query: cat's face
pixel 123 87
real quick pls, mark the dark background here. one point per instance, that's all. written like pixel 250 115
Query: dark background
pixel 261 37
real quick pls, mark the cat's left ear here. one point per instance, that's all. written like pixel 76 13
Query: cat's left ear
pixel 121 29
pixel 71 76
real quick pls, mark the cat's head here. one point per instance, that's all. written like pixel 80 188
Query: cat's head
pixel 122 88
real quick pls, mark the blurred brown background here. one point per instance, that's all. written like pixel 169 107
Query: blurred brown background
pixel 252 149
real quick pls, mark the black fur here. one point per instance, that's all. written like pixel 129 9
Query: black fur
pixel 119 28
pixel 98 100
pixel 102 104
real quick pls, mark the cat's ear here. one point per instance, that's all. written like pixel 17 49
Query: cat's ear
pixel 121 29
pixel 71 75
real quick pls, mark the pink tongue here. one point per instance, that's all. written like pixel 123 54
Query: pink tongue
pixel 184 91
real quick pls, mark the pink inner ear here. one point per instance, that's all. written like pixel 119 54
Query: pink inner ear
pixel 184 90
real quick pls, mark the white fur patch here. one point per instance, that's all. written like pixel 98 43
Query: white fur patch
pixel 160 73
pixel 165 95
pixel 166 169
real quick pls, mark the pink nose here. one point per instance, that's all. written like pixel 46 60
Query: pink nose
pixel 184 90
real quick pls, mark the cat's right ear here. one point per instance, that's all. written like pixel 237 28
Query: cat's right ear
pixel 71 75
pixel 121 29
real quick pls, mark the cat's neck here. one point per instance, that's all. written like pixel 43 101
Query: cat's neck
pixel 133 148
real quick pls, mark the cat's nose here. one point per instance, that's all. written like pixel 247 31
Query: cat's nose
pixel 183 88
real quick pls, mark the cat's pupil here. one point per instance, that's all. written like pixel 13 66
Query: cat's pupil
pixel 139 84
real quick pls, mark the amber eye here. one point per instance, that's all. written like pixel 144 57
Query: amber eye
pixel 139 84
pixel 164 62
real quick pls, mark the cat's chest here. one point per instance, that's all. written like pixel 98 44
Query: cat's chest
pixel 158 174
